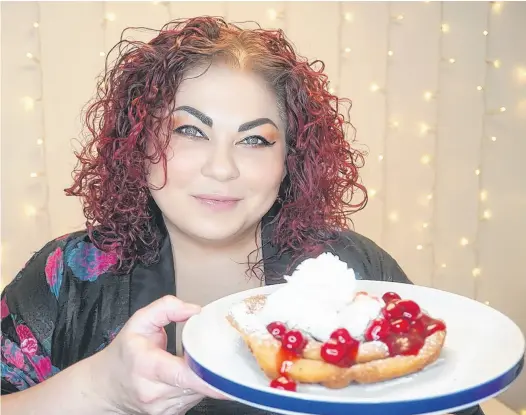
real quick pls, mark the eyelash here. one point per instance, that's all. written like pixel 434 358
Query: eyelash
pixel 262 141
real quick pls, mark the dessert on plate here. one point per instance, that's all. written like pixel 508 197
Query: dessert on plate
pixel 318 329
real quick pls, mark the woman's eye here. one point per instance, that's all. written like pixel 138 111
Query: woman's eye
pixel 256 141
pixel 190 131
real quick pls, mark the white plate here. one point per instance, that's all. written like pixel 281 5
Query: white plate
pixel 482 356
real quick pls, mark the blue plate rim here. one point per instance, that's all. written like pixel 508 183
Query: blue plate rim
pixel 287 401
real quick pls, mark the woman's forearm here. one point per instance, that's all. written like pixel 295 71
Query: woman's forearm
pixel 77 390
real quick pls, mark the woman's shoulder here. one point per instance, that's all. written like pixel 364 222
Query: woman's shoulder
pixel 72 254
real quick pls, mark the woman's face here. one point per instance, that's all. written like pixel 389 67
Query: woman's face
pixel 226 157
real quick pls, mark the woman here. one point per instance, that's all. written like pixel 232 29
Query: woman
pixel 217 161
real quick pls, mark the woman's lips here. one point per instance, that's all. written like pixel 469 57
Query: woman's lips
pixel 217 202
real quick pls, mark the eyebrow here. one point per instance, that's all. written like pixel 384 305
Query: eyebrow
pixel 206 120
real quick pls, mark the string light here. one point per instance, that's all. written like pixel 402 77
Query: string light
pixel 390 53
pixel 30 211
pixel 36 25
pixel 496 7
pixel 487 214
pixel 477 172
pixel 480 88
pixel 485 33
pixel 428 95
pixel 425 159
pixel 380 157
pixel 464 241
pixel 419 247
pixel 28 103
pixel 476 272
pixel 445 28
pixel 40 142
pixel 349 17
pixel 372 192
pixel 493 138
pixel 483 195
pixel 393 217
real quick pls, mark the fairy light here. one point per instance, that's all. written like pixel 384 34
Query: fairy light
pixel 390 53
pixel 483 195
pixel 487 214
pixel 380 157
pixel 464 241
pixel 110 17
pixel 485 33
pixel 428 95
pixel 393 217
pixel 445 28
pixel 372 192
pixel 36 25
pixel 480 88
pixel 425 225
pixel 374 88
pixel 28 103
pixel 477 172
pixel 425 159
pixel 33 175
pixel 40 142
pixel 476 272
pixel 419 247
pixel 349 17
pixel 496 8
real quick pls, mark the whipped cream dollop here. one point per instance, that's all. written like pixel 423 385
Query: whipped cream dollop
pixel 320 297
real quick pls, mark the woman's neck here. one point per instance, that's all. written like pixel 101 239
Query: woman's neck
pixel 241 249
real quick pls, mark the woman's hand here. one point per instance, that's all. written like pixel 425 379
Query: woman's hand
pixel 141 377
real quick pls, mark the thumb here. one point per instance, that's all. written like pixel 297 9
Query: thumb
pixel 152 318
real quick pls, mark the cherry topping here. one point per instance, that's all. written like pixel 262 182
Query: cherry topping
pixel 390 296
pixel 404 344
pixel 418 327
pixel 432 325
pixel 407 309
pixel 379 329
pixel 333 351
pixel 277 329
pixel 283 383
pixel 342 336
pixel 293 341
pixel 400 326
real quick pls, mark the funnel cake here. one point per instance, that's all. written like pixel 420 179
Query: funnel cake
pixel 323 332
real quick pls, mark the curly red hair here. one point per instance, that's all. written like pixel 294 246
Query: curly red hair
pixel 135 97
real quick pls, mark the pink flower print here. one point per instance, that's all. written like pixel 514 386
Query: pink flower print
pixel 28 343
pixel 16 358
pixel 4 310
pixel 54 271
pixel 88 262
pixel 43 367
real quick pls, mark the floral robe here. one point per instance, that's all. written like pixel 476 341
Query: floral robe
pixel 65 305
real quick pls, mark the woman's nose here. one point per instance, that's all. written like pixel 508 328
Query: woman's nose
pixel 220 164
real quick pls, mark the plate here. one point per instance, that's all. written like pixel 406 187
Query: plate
pixel 483 354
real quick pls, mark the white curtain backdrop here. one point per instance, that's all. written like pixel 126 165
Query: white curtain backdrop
pixel 439 102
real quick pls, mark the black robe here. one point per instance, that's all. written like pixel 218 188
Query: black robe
pixel 65 305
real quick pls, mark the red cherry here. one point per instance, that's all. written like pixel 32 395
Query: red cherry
pixel 333 351
pixel 277 329
pixel 283 383
pixel 418 327
pixel 293 341
pixel 400 326
pixel 407 309
pixel 432 325
pixel 342 336
pixel 405 344
pixel 379 329
pixel 390 296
